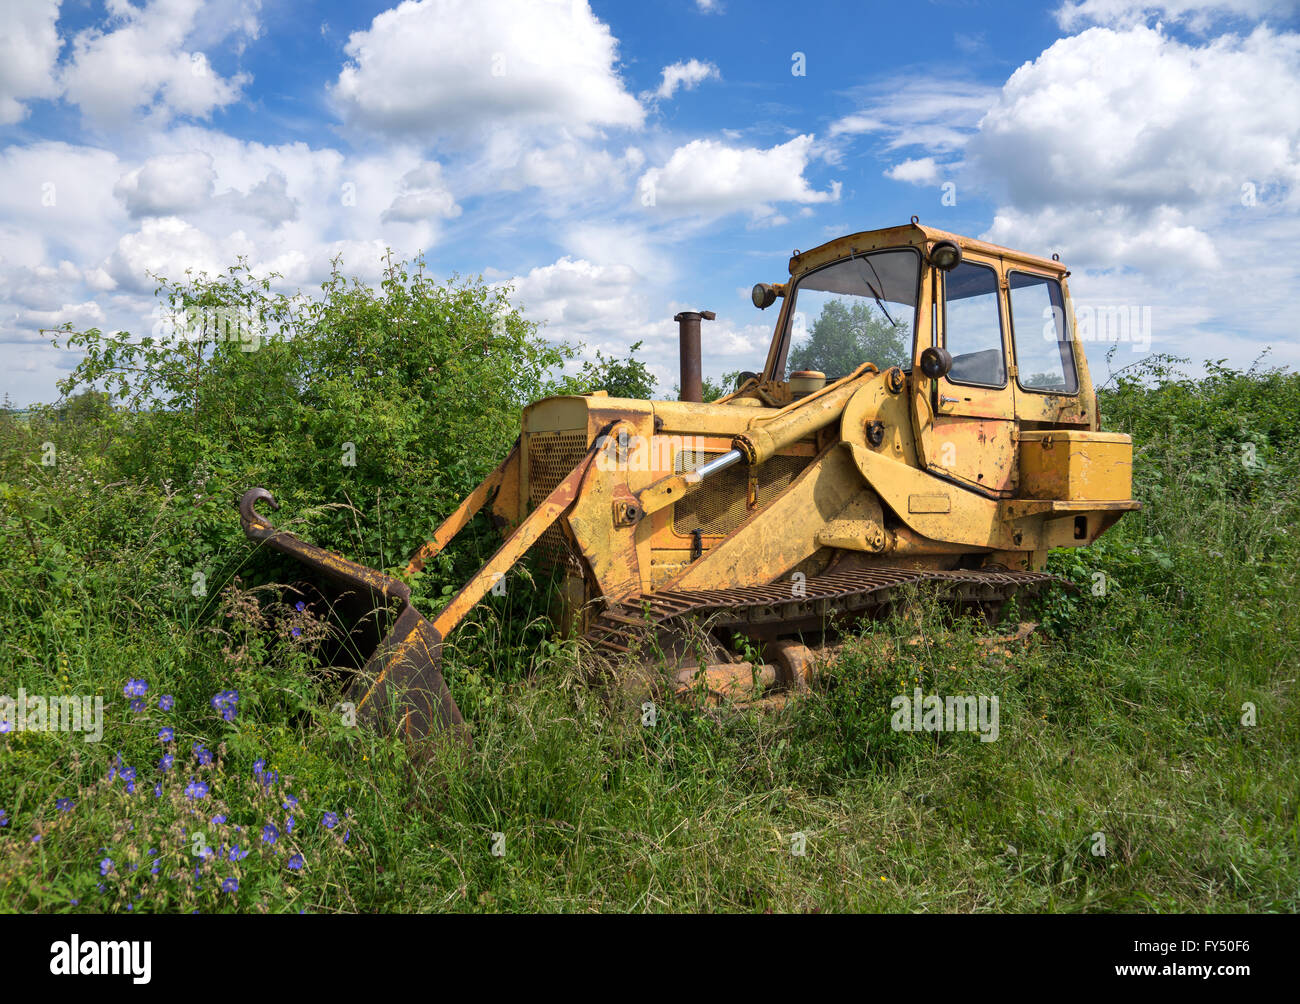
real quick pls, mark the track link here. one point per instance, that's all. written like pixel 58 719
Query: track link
pixel 816 600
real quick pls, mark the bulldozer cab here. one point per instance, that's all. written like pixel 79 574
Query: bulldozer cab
pixel 1002 317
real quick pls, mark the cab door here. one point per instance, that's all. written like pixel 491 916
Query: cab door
pixel 971 437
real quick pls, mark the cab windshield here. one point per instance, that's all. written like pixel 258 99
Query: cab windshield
pixel 861 309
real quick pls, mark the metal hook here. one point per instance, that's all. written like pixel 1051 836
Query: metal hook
pixel 248 507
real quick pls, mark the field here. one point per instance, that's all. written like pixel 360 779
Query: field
pixel 1152 716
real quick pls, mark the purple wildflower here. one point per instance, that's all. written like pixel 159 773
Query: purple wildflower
pixel 258 767
pixel 218 820
pixel 290 801
pixel 288 827
pixel 166 702
pixel 203 753
pixel 166 734
pixel 330 821
pixel 196 789
pixel 137 705
pixel 65 804
pixel 295 863
pixel 270 834
pixel 166 762
pixel 6 726
pixel 135 688
pixel 296 632
pixel 300 606
pixel 105 867
pixel 230 885
pixel 224 702
pixel 4 818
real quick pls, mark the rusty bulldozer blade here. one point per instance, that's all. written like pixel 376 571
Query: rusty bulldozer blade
pixel 402 680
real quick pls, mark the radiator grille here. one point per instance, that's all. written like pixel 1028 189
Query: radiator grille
pixel 552 456
pixel 722 503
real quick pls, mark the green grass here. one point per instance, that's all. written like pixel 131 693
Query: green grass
pixel 1126 724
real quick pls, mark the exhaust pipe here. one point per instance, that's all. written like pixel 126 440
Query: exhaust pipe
pixel 692 369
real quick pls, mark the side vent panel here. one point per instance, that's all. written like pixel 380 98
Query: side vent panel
pixel 723 502
pixel 552 456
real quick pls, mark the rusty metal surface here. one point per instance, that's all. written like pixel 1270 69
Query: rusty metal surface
pixel 688 326
pixel 823 597
pixel 725 501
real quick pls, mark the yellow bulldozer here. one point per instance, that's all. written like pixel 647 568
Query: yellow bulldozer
pixel 924 416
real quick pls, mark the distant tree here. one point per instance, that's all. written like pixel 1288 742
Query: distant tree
pixel 846 335
pixel 88 406
pixel 724 385
pixel 628 377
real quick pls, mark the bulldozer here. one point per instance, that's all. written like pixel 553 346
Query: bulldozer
pixel 924 418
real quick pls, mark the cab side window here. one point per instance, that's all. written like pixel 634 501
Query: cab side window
pixel 973 326
pixel 1044 355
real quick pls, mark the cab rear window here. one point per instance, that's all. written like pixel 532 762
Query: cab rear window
pixel 1044 354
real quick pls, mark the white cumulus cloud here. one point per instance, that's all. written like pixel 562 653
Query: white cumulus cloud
pixel 1198 14
pixel 1112 132
pixel 709 178
pixel 921 171
pixel 29 46
pixel 687 75
pixel 460 68
pixel 167 185
pixel 422 195
pixel 140 63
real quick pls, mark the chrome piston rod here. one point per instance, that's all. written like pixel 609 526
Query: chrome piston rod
pixel 717 464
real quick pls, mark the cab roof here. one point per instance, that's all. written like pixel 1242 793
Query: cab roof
pixel 916 235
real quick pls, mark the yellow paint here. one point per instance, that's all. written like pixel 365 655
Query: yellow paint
pixel 1074 465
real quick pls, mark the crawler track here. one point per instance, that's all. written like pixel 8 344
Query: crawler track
pixel 782 608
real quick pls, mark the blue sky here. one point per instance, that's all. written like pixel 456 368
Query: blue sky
pixel 618 162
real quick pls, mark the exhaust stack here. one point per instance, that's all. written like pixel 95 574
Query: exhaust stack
pixel 692 384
